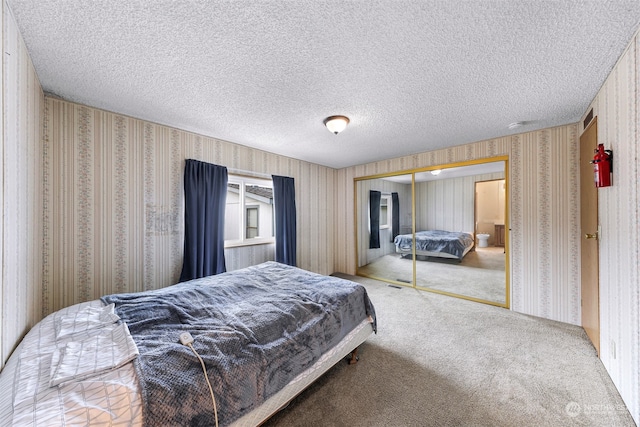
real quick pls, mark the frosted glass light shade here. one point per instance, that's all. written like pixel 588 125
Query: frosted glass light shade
pixel 336 124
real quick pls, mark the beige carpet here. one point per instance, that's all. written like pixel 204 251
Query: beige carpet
pixel 442 361
pixel 481 274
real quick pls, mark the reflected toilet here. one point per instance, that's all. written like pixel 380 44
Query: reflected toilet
pixel 483 240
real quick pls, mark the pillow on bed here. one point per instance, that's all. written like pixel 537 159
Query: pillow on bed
pixel 109 349
pixel 85 319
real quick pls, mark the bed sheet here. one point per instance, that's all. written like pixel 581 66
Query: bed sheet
pixel 113 395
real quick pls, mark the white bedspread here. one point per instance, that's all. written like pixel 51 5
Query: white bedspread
pixel 103 378
pixel 83 358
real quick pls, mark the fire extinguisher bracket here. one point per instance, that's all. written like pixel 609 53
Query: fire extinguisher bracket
pixel 602 166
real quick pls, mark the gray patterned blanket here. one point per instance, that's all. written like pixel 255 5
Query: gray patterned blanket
pixel 255 328
pixel 450 242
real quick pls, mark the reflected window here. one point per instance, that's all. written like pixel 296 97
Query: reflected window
pixel 385 211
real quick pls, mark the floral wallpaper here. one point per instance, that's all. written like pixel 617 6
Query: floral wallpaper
pixel 113 203
pixel 616 107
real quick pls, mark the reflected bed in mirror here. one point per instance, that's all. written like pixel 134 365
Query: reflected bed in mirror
pixel 457 219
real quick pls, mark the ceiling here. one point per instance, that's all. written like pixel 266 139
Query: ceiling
pixel 412 76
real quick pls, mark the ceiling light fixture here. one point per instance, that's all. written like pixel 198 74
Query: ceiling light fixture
pixel 436 172
pixel 336 124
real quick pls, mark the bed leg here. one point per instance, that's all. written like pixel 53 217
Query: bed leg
pixel 353 357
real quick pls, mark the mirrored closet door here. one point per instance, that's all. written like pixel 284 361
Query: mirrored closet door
pixel 384 209
pixel 457 216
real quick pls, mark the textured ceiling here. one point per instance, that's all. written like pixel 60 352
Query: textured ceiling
pixel 412 76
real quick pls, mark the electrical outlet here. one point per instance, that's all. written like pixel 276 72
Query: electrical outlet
pixel 186 338
pixel 613 349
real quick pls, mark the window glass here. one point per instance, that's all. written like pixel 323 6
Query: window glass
pixel 249 215
pixel 232 214
pixel 252 222
pixel 385 211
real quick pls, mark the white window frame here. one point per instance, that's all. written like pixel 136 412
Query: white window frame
pixel 242 182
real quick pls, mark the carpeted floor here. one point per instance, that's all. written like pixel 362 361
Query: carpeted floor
pixel 481 274
pixel 443 361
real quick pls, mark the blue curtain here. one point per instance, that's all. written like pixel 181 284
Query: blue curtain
pixel 395 215
pixel 374 219
pixel 205 195
pixel 284 198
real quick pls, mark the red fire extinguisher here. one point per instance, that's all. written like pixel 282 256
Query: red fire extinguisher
pixel 602 166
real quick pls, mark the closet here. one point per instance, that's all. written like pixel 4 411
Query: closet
pixel 394 210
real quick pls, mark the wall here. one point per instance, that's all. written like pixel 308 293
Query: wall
pixel 616 106
pixel 113 203
pixel 544 214
pixel 21 193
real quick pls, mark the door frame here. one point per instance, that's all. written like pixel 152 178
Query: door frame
pixel 589 252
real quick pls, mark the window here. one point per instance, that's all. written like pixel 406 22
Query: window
pixel 253 229
pixel 385 211
pixel 249 213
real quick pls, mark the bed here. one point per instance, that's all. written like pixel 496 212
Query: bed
pixel 436 243
pixel 264 333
